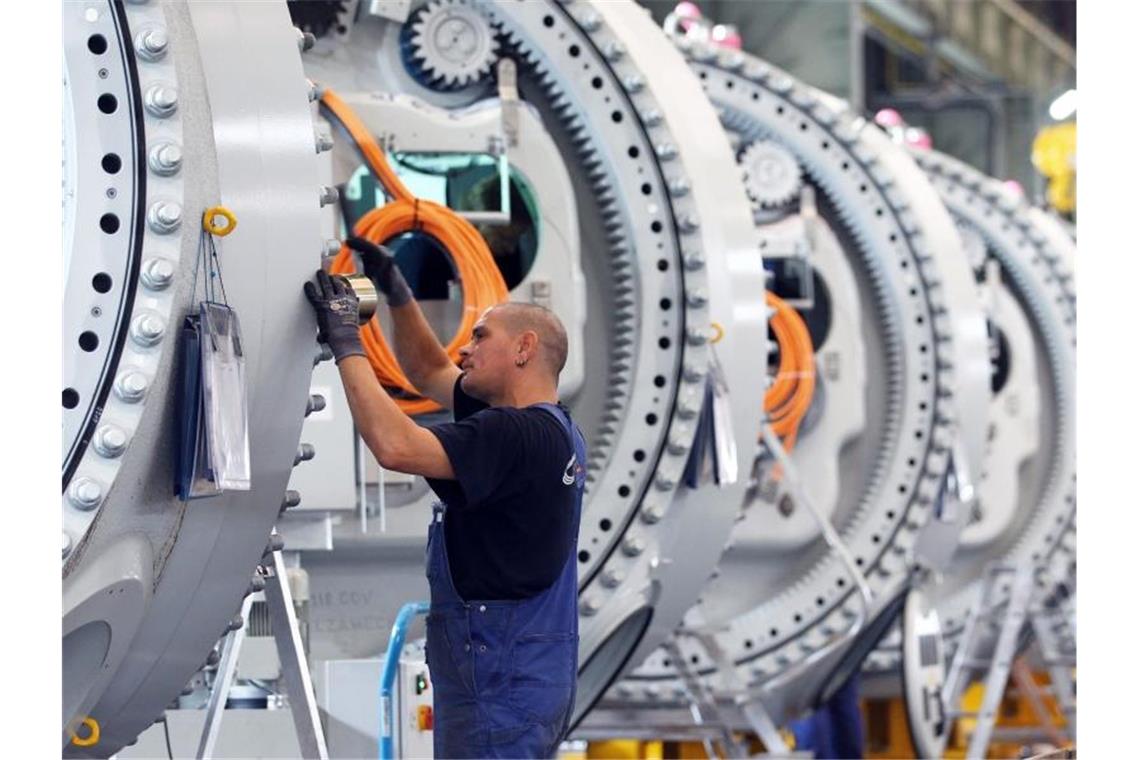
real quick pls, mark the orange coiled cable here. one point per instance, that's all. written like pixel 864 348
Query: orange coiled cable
pixel 479 276
pixel 788 398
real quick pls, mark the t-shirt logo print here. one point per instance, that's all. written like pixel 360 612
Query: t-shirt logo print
pixel 571 471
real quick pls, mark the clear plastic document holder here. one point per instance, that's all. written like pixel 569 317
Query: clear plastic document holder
pixel 224 396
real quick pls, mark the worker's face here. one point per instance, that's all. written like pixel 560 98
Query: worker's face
pixel 488 359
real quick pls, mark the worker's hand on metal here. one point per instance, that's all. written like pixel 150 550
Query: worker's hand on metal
pixel 380 267
pixel 337 316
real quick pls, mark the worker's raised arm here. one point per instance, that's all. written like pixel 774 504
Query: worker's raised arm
pixel 419 352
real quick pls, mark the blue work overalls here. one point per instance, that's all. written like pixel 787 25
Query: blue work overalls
pixel 505 671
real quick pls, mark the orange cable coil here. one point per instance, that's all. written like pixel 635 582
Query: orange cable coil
pixel 788 398
pixel 481 281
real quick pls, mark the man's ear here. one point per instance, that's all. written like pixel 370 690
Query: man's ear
pixel 528 343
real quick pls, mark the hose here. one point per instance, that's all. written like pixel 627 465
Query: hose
pixel 788 398
pixel 479 277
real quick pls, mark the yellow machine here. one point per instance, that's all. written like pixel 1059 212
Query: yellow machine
pixel 1055 156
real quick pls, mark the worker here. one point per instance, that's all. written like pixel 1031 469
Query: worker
pixel 502 631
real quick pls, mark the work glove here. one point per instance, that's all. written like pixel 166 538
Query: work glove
pixel 337 321
pixel 380 267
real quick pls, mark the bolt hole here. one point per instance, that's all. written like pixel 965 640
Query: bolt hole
pixel 109 223
pixel 70 398
pixel 596 82
pixel 651 419
pixel 659 381
pixel 97 44
pixel 633 151
pixel 548 21
pixel 664 342
pixel 583 556
pixel 656 226
pixel 101 282
pixel 662 265
pixel 639 456
pixel 88 341
pixel 107 103
pixel 605 524
pixel 112 163
pixel 575 51
pixel 666 304
pixel 623 491
pixel 646 189
pixel 616 116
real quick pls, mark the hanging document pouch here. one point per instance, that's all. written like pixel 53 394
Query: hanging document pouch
pixel 224 406
pixel 194 479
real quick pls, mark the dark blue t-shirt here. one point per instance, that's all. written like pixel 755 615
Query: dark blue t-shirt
pixel 510 516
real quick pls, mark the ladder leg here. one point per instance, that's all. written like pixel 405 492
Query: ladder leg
pixel 294 666
pixel 1003 656
pixel 227 667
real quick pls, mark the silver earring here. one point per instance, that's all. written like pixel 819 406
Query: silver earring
pixel 520 362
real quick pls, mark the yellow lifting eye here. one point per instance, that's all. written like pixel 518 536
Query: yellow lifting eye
pixel 718 332
pixel 92 737
pixel 210 221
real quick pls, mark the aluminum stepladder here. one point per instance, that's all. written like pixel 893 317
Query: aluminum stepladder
pixel 746 699
pixel 1023 606
pixel 294 667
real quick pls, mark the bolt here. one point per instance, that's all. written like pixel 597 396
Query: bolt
pixel 590 22
pixel 212 658
pixel 329 195
pixel 696 336
pixel 324 353
pixel 612 577
pixel 678 187
pixel 151 44
pixel 693 373
pixel 665 481
pixel 110 441
pixel 632 546
pixel 165 159
pixel 305 40
pixel 316 403
pixel 305 452
pixel 679 440
pixel 161 100
pixel 651 118
pixel 666 151
pixel 689 406
pixel 694 260
pixel 131 386
pixel 66 543
pixel 236 622
pixel 315 90
pixel 688 223
pixel 696 297
pixel 324 140
pixel 332 247
pixel 589 606
pixel 614 51
pixel 157 273
pixel 147 329
pixel 276 544
pixel 164 217
pixel 85 493
pixel 633 83
pixel 652 514
pixel 292 499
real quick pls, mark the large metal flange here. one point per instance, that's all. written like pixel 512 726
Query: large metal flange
pixel 144 569
pixel 929 331
pixel 1034 521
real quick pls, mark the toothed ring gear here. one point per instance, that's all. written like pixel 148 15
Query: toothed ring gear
pixel 449 45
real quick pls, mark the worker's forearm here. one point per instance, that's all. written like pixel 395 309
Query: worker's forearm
pixel 373 410
pixel 417 349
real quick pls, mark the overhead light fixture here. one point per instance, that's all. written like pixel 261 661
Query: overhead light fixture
pixel 1064 106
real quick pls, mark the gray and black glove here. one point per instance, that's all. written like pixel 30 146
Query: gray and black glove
pixel 380 267
pixel 337 315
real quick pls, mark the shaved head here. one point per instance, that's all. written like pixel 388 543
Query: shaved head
pixel 520 317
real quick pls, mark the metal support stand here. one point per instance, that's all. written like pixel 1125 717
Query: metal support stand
pixel 294 669
pixel 1019 610
pixel 702 705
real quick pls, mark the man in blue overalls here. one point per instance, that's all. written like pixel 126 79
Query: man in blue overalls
pixel 502 633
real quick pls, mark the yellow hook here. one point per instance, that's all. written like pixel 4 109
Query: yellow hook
pixel 209 222
pixel 92 738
